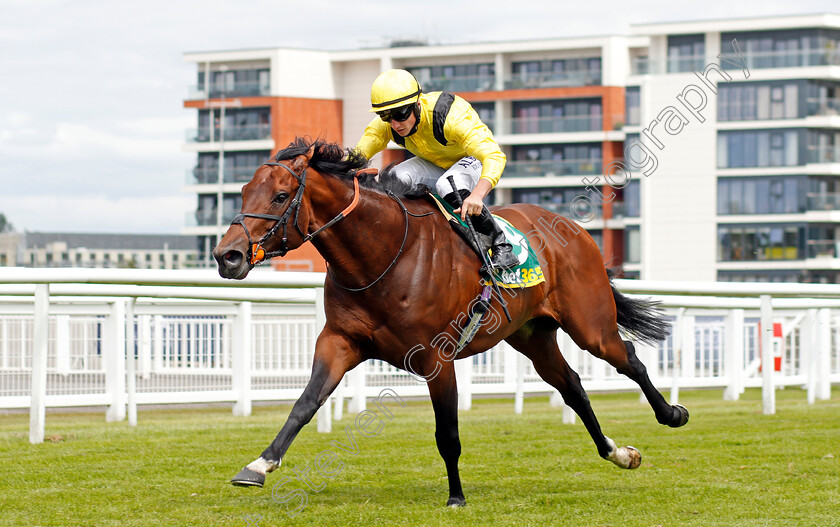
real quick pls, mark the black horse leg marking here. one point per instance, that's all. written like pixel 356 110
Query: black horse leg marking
pixel 444 393
pixel 673 416
pixel 327 372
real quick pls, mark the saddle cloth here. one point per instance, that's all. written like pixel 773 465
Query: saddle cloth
pixel 527 274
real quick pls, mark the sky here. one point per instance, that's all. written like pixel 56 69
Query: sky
pixel 92 123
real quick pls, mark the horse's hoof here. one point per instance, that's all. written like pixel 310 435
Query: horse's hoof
pixel 635 457
pixel 682 416
pixel 248 478
pixel 456 502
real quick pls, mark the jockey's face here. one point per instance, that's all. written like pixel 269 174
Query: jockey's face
pixel 401 119
pixel 404 127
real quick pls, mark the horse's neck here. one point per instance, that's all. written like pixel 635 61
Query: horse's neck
pixel 361 245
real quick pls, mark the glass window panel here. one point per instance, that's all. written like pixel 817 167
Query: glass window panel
pixel 791 148
pixel 763 102
pixel 791 101
pixel 750 193
pixel 723 197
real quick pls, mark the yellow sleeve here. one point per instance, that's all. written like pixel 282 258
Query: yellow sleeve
pixel 375 139
pixel 463 126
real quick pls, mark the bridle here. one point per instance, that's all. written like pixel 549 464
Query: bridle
pixel 256 252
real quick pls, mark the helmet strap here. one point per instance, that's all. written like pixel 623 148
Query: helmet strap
pixel 416 118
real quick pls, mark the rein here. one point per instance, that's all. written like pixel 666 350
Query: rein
pixel 256 253
pixel 406 214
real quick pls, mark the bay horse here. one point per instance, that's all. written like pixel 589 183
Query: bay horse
pixel 398 275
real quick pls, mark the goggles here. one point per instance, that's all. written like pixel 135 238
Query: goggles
pixel 397 114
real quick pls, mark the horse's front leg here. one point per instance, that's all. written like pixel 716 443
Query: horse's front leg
pixel 334 356
pixel 444 393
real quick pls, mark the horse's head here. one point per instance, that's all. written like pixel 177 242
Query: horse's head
pixel 269 222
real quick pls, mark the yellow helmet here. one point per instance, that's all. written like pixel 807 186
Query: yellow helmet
pixel 392 89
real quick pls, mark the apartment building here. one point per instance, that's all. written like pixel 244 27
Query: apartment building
pixel 706 150
pixel 62 249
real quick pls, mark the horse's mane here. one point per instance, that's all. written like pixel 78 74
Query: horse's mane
pixel 332 159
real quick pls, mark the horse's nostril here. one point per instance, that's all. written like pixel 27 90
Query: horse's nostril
pixel 232 258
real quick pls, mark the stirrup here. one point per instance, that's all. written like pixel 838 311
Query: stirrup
pixel 502 258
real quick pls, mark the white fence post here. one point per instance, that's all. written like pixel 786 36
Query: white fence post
pixel 824 349
pixel 144 323
pixel 810 353
pixel 130 363
pixel 678 340
pixel 768 390
pixel 358 383
pixel 463 377
pixel 734 354
pixel 519 395
pixel 38 385
pixel 324 415
pixel 113 349
pixel 242 361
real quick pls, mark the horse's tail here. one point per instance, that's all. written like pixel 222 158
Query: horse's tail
pixel 642 319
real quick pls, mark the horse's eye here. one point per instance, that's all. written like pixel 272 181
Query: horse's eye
pixel 280 198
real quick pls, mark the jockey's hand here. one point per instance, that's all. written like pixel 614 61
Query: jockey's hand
pixel 472 205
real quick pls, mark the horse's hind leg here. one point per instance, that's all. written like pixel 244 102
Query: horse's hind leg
pixel 673 416
pixel 541 347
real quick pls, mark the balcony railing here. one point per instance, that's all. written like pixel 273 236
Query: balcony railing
pixel 824 154
pixel 641 66
pixel 547 125
pixel 687 63
pixel 464 83
pixel 823 106
pixel 551 79
pixel 579 209
pixel 823 201
pixel 822 249
pixel 781 59
pixel 248 132
pixel 552 168
pixel 238 89
pixel 203 176
pixel 205 217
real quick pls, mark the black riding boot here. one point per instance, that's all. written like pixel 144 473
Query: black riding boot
pixel 503 257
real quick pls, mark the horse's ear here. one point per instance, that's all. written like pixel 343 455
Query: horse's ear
pixel 302 161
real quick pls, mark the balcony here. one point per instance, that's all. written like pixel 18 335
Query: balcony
pixel 207 217
pixel 781 59
pixel 552 168
pixel 823 107
pixel 686 64
pixel 548 125
pixel 584 209
pixel 641 66
pixel 823 201
pixel 554 79
pixel 247 132
pixel 824 154
pixel 822 249
pixel 464 83
pixel 237 89
pixel 210 175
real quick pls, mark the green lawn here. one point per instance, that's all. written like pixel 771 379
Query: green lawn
pixel 730 465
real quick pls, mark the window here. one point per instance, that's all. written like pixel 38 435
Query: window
pixel 632 105
pixel 762 195
pixel 686 53
pixel 553 73
pixel 758 148
pixel 458 78
pixel 760 242
pixel 781 48
pixel 760 101
pixel 555 116
pixel 632 245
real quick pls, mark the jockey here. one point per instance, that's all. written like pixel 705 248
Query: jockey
pixel 448 139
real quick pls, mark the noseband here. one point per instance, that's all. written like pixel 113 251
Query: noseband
pixel 256 252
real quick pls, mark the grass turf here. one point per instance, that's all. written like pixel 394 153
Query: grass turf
pixel 730 465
